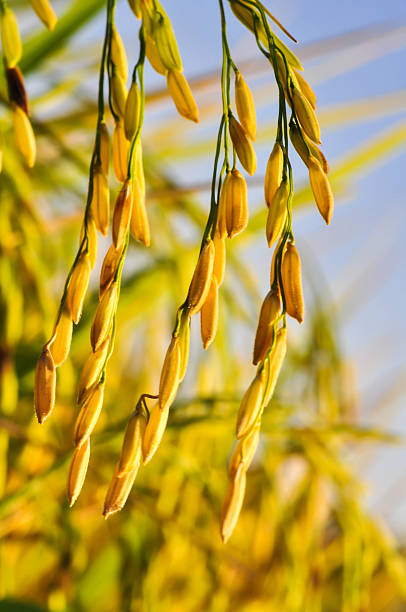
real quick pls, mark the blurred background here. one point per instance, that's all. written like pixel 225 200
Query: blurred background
pixel 322 527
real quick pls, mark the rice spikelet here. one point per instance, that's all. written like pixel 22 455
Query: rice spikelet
pixel 276 360
pixel 24 135
pixel 165 41
pixel 118 91
pixel 132 111
pixel 104 317
pixel 109 269
pixel 169 380
pixel 321 188
pixel 251 404
pixel 305 88
pixel 45 13
pixel 131 451
pixel 219 259
pixel 152 54
pixel 182 96
pixel 88 415
pixel 277 213
pixel 209 315
pixel 306 148
pixel 78 286
pixel 306 115
pixel 153 432
pixel 139 223
pixel 244 452
pixel 122 215
pixel 118 54
pixel 118 492
pixel 10 37
pixel 245 105
pixel 292 283
pixel 184 343
pixel 270 310
pixel 232 505
pixel 77 472
pixel 92 370
pixel 101 200
pixel 243 146
pixel 44 389
pixel 120 152
pixel 236 203
pixel 200 284
pixel 63 336
pixel 274 173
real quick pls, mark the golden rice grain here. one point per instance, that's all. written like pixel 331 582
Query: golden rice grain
pixel 153 432
pixel 276 360
pixel 169 380
pixel 321 188
pixel 139 223
pixel 63 336
pixel 122 215
pixel 78 286
pixel 44 389
pixel 236 203
pixel 152 54
pixel 118 91
pixel 306 148
pixel 45 12
pixel 274 173
pixel 232 505
pixel 118 492
pixel 109 269
pixel 251 404
pixel 306 115
pixel 118 54
pixel 242 146
pixel 209 315
pixel 92 370
pixel 136 8
pixel 165 41
pixel 132 111
pixel 100 205
pixel 269 313
pixel 184 343
pixel 244 451
pixel 103 319
pixel 77 472
pixel 120 152
pixel 200 284
pixel 182 96
pixel 24 135
pixel 277 213
pixel 292 283
pixel 219 259
pixel 10 37
pixel 88 415
pixel 244 102
pixel 131 451
pixel 305 88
